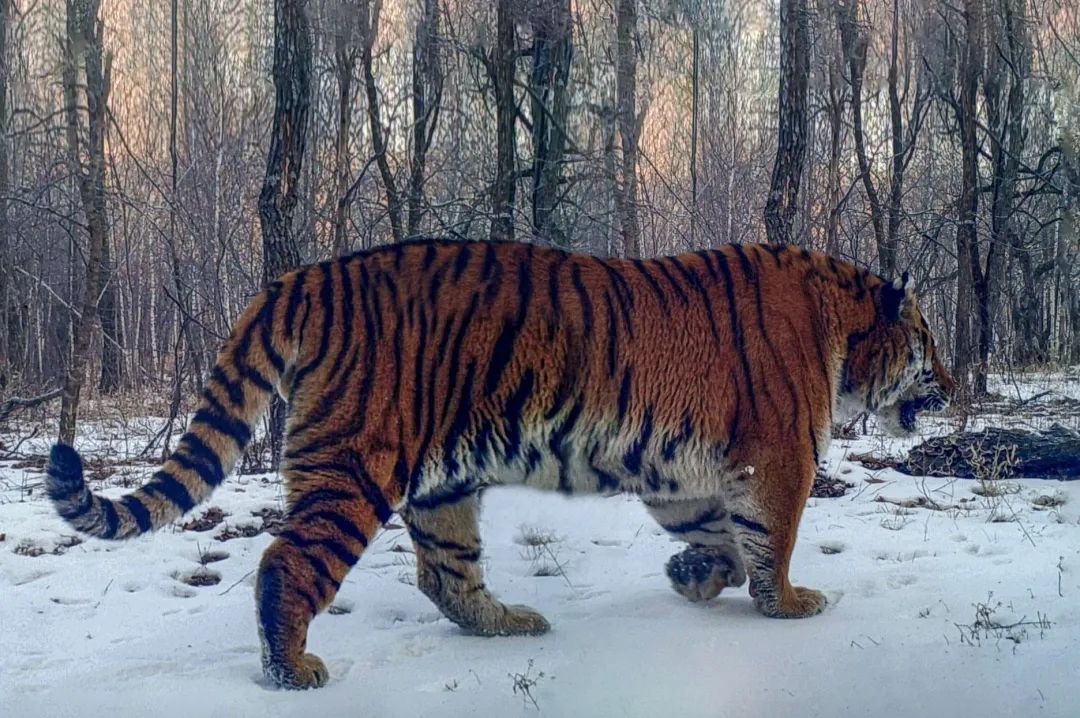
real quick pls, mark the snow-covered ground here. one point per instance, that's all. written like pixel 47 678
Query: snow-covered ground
pixel 920 604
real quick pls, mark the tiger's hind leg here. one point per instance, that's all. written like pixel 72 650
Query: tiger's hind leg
pixel 712 561
pixel 335 509
pixel 448 571
pixel 766 524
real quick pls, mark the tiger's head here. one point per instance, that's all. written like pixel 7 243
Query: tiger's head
pixel 892 369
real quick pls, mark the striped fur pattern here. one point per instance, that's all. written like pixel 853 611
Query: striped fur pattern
pixel 418 374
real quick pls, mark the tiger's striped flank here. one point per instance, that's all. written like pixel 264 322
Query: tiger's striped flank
pixel 418 374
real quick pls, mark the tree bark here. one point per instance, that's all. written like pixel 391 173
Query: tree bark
pixel 427 86
pixel 370 11
pixel 83 45
pixel 112 358
pixel 5 271
pixel 1006 138
pixel 626 199
pixel 549 101
pixel 503 66
pixel 967 249
pixel 783 200
pixel 288 136
pixel 346 50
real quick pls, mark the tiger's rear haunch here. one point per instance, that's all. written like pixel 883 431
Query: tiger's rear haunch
pixel 419 373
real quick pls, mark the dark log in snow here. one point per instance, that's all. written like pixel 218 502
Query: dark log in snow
pixel 999 453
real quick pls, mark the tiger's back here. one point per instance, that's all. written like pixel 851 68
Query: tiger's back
pixel 419 373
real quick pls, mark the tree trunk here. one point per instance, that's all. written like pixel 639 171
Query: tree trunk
pixel 292 86
pixel 626 200
pixel 1006 135
pixel 503 64
pixel 112 358
pixel 854 45
pixel 427 84
pixel 83 45
pixel 783 200
pixel 5 270
pixel 549 100
pixel 835 110
pixel 967 249
pixel 345 53
pixel 369 14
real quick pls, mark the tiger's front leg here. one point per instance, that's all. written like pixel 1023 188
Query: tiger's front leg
pixel 448 571
pixel 712 561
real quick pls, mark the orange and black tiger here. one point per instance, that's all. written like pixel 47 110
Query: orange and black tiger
pixel 419 373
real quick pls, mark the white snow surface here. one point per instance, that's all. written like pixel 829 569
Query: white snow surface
pixel 103 628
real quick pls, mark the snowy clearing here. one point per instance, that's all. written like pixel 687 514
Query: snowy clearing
pixel 967 609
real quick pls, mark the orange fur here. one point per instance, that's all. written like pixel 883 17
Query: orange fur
pixel 418 373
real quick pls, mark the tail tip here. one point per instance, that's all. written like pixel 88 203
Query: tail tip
pixel 64 474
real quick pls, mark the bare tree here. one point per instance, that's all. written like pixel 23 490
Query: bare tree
pixel 503 70
pixel 626 195
pixel 83 51
pixel 782 202
pixel 277 201
pixel 549 81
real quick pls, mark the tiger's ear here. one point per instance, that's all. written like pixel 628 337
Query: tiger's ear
pixel 897 297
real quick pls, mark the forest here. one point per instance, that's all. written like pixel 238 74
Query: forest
pixel 160 162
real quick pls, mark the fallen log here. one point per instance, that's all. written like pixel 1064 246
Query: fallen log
pixel 9 407
pixel 995 453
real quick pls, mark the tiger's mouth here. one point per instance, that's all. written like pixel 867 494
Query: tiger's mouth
pixel 909 410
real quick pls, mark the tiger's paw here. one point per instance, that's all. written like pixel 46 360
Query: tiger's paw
pixel 309 672
pixel 700 573
pixel 514 620
pixel 800 602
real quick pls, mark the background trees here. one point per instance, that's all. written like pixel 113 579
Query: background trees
pixel 139 211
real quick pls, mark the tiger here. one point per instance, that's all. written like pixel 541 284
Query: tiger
pixel 420 373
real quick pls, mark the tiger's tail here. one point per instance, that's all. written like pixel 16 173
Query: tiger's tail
pixel 250 367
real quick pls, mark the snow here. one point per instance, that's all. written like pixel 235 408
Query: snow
pixel 101 627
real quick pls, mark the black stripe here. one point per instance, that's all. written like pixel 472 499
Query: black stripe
pixel 443 568
pixel 311 498
pixel 166 486
pixel 429 257
pixel 445 496
pixel 698 524
pixel 461 261
pixel 737 332
pixel 270 352
pixel 235 390
pixel 138 512
pixel 320 568
pixel 558 437
pixel 653 284
pixel 749 524
pixel 706 256
pixel 108 512
pixel 326 299
pixel 371 491
pixel 502 352
pixel 662 264
pixel 515 406
pixel 632 458
pixel 685 432
pixel 586 303
pixel 623 294
pixel 431 541
pixel 624 392
pixel 233 428
pixel 293 306
pixel 203 454
pixel 612 342
pixel 418 373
